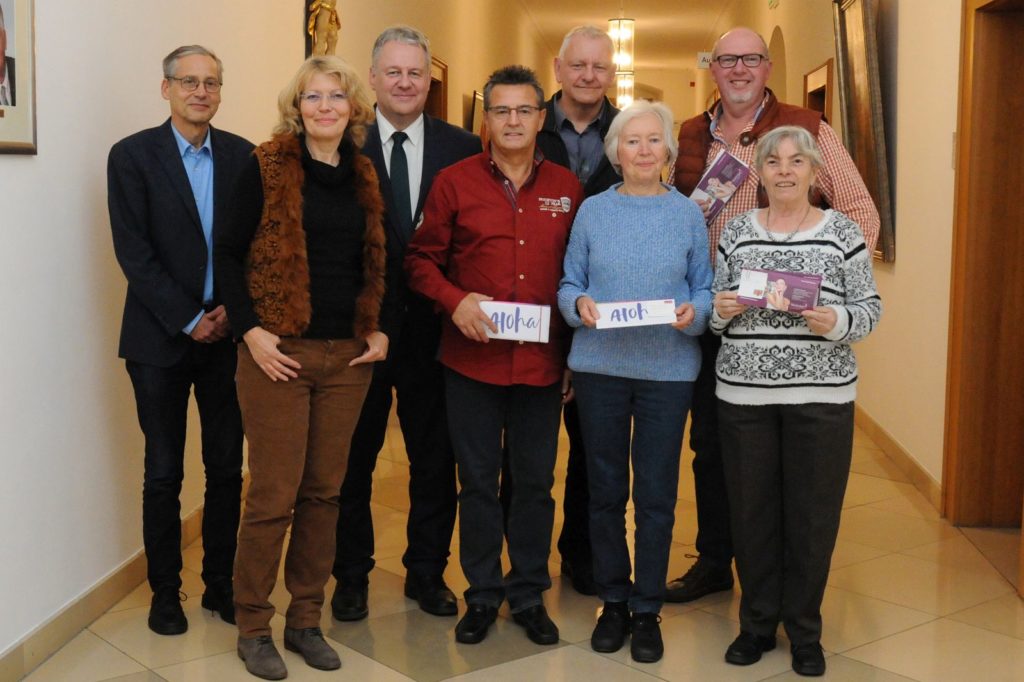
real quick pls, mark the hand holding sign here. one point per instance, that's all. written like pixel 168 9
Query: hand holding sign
pixel 685 315
pixel 471 320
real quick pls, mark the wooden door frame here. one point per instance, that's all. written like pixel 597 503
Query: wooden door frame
pixel 962 495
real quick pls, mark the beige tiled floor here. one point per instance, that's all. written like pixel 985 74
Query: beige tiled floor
pixel 909 598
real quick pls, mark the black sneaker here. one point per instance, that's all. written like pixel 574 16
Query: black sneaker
pixel 166 617
pixel 703 578
pixel 646 645
pixel 612 628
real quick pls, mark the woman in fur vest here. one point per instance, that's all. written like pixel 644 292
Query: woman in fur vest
pixel 302 273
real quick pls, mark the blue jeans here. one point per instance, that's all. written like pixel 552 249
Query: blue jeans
pixel 528 417
pixel 657 412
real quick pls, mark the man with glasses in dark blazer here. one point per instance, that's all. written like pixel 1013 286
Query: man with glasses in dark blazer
pixel 168 190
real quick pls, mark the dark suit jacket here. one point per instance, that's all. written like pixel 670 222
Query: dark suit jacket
pixel 444 144
pixel 553 149
pixel 158 237
pixel 9 61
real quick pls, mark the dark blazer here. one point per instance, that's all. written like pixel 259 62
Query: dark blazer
pixel 9 61
pixel 443 145
pixel 553 149
pixel 158 237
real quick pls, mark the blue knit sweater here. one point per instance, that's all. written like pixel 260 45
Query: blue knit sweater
pixel 625 248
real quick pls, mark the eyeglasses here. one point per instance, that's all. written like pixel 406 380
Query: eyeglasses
pixel 190 83
pixel 314 98
pixel 522 111
pixel 727 61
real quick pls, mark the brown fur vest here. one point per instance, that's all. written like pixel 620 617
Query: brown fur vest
pixel 277 270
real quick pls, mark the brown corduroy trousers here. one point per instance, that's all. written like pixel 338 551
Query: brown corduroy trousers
pixel 298 432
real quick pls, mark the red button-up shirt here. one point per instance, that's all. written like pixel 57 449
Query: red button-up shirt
pixel 480 235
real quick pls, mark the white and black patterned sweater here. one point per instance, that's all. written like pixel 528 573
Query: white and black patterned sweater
pixel 772 357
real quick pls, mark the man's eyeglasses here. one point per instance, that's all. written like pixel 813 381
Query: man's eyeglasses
pixel 314 98
pixel 524 111
pixel 190 83
pixel 727 61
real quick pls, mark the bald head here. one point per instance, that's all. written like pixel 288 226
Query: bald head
pixel 740 34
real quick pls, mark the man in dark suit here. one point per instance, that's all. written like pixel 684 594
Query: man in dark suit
pixel 7 91
pixel 578 117
pixel 408 148
pixel 168 190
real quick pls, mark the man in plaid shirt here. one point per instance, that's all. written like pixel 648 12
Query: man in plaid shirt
pixel 747 109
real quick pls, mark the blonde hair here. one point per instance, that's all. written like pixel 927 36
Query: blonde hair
pixel 290 119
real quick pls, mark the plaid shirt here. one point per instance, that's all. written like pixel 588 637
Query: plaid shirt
pixel 838 180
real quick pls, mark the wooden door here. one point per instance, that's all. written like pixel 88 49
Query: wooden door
pixel 983 477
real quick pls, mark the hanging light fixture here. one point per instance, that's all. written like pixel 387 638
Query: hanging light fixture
pixel 622 32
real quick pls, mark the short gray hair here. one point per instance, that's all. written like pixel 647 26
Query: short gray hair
pixel 587 31
pixel 513 75
pixel 640 107
pixel 171 61
pixel 401 34
pixel 801 138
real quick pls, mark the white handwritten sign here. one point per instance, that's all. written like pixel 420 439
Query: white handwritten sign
pixel 636 313
pixel 518 321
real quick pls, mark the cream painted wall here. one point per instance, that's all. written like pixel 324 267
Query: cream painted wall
pixel 71 491
pixel 70 495
pixel 904 362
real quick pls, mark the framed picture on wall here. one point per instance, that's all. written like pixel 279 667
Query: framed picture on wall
pixel 860 98
pixel 17 77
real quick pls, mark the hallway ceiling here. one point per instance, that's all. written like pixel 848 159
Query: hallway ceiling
pixel 669 33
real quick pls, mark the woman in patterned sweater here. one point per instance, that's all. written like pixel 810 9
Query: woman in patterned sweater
pixel 786 386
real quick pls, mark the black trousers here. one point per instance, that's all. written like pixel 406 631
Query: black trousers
pixel 415 376
pixel 714 539
pixel 485 421
pixel 161 399
pixel 786 467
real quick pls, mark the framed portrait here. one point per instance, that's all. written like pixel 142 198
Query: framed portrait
pixel 860 99
pixel 476 114
pixel 17 77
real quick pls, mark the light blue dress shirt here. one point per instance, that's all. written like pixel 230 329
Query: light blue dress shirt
pixel 199 168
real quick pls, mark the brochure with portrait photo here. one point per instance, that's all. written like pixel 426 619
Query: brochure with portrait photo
pixel 718 184
pixel 787 291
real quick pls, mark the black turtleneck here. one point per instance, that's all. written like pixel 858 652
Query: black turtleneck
pixel 334 224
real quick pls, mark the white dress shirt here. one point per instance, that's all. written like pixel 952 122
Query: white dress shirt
pixel 413 147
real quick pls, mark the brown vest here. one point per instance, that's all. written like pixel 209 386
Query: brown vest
pixel 277 269
pixel 695 137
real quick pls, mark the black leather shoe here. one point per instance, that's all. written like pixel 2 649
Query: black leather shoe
pixel 747 648
pixel 432 594
pixel 808 659
pixel 472 629
pixel 612 628
pixel 166 617
pixel 539 627
pixel 646 645
pixel 703 578
pixel 219 598
pixel 349 602
pixel 581 573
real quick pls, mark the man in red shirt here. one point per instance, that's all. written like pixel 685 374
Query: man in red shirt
pixel 495 227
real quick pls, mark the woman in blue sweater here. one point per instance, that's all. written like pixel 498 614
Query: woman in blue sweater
pixel 639 240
